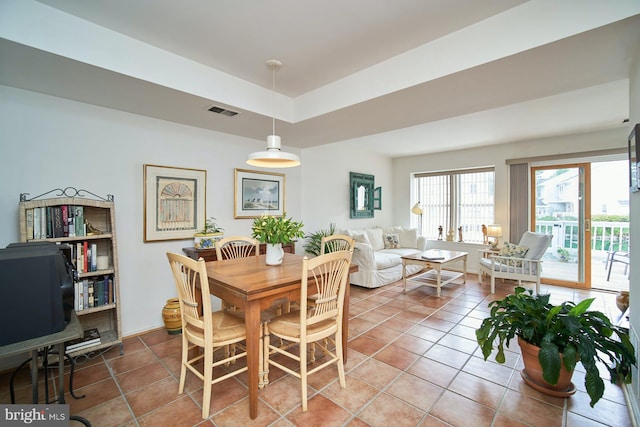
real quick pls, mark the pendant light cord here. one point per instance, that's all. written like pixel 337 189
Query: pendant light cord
pixel 273 95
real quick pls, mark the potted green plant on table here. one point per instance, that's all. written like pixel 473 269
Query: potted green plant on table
pixel 274 231
pixel 206 238
pixel 314 240
pixel 553 338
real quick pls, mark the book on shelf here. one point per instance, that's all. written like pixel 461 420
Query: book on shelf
pixel 79 220
pixel 64 209
pixel 36 223
pixel 90 338
pixel 93 262
pixel 71 226
pixel 48 216
pixel 29 222
pixel 57 221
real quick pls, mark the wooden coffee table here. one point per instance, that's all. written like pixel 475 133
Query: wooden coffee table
pixel 434 260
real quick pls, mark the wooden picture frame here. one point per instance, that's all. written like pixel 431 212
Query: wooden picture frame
pixel 257 193
pixel 634 157
pixel 174 202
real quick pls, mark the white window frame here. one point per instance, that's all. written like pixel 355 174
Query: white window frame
pixel 441 204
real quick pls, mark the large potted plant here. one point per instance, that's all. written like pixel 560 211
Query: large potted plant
pixel 274 231
pixel 557 336
pixel 206 238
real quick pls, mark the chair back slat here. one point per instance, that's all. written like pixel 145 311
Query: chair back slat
pixel 237 247
pixel 336 242
pixel 191 281
pixel 330 274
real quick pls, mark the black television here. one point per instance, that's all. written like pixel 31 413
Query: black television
pixel 36 290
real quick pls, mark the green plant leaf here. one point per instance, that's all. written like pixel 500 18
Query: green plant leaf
pixel 549 358
pixel 594 386
pixel 582 307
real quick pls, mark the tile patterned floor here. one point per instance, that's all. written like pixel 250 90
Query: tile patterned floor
pixel 413 361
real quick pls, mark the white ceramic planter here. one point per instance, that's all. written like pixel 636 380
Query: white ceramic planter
pixel 275 253
pixel 206 241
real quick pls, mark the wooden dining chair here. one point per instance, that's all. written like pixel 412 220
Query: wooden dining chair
pixel 235 247
pixel 331 243
pixel 329 273
pixel 336 242
pixel 211 331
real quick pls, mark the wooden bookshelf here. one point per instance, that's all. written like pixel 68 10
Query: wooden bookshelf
pixel 99 232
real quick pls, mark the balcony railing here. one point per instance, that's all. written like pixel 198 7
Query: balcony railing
pixel 605 236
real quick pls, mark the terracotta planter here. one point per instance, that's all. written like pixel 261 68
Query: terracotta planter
pixel 172 317
pixel 622 300
pixel 532 373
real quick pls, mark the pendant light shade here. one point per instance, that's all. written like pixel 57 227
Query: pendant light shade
pixel 273 157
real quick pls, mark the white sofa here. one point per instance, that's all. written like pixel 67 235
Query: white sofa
pixel 379 263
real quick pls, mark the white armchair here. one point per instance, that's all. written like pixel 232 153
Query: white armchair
pixel 526 267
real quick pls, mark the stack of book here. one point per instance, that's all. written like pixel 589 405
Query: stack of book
pixel 91 337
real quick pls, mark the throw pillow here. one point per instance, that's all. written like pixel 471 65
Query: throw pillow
pixel 360 237
pixel 391 241
pixel 375 238
pixel 513 251
pixel 408 238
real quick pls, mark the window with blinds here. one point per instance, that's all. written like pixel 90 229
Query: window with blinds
pixel 453 199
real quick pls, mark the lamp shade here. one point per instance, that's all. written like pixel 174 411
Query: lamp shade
pixel 273 157
pixel 417 209
pixel 494 230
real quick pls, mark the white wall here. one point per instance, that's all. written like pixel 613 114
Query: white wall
pixel 325 198
pixel 496 156
pixel 49 142
pixel 634 272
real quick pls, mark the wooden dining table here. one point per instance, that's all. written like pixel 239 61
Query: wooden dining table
pixel 253 286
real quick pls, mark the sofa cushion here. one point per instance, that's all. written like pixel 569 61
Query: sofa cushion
pixel 400 252
pixel 375 238
pixel 391 241
pixel 386 260
pixel 408 238
pixel 537 244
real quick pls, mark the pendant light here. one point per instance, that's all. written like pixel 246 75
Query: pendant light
pixel 273 157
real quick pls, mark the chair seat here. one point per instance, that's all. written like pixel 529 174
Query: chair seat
pixel 225 327
pixel 289 325
pixel 519 266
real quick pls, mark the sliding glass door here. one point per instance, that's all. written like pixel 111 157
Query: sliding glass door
pixel 561 206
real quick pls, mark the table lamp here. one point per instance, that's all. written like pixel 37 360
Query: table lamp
pixel 495 231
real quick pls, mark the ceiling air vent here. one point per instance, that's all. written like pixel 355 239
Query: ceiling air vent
pixel 223 111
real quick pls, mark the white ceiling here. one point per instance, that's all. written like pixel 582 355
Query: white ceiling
pixel 398 77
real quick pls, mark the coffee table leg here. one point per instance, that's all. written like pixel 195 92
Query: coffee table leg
pixel 404 274
pixel 438 278
pixel 464 261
